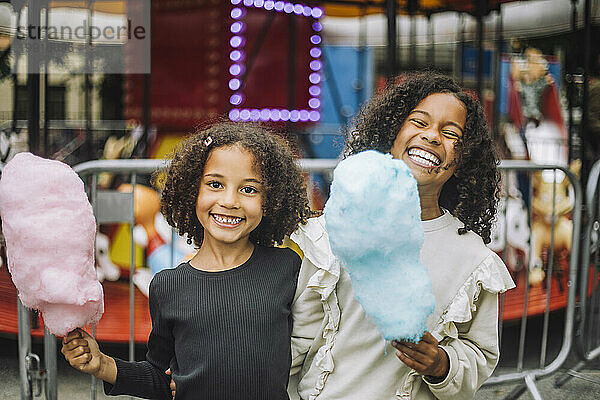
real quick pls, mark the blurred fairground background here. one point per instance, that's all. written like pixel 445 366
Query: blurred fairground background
pixel 111 87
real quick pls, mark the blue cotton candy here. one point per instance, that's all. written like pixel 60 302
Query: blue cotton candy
pixel 373 217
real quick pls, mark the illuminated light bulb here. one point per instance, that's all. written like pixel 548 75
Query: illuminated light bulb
pixel 278 6
pixel 294 115
pixel 314 103
pixel 236 2
pixel 235 69
pixel 298 9
pixel 303 115
pixel 245 115
pixel 315 65
pixel 317 12
pixel 285 115
pixel 288 8
pixel 259 3
pixel 247 3
pixel 275 115
pixel 234 84
pixel 236 41
pixel 236 27
pixel 317 27
pixel 314 116
pixel 237 13
pixel 254 114
pixel 234 114
pixel 235 99
pixel 265 114
pixel 269 5
pixel 315 52
pixel 314 90
pixel 236 55
pixel 314 78
pixel 315 39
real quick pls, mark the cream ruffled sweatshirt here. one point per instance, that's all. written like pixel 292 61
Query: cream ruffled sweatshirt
pixel 337 353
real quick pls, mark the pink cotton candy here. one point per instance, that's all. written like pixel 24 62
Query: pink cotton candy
pixel 50 230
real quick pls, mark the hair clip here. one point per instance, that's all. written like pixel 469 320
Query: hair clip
pixel 208 141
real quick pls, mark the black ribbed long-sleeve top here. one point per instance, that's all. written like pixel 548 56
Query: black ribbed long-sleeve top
pixel 225 335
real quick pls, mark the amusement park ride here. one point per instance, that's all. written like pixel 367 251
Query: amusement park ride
pixel 250 38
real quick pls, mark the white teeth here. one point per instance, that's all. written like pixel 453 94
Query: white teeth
pixel 425 157
pixel 422 161
pixel 227 220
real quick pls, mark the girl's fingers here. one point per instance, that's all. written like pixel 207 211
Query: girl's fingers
pixel 74 357
pixel 423 357
pixel 401 344
pixel 418 357
pixel 427 343
pixel 76 334
pixel 416 351
pixel 74 344
pixel 406 349
pixel 410 362
pixel 429 338
pixel 172 384
pixel 75 351
pixel 83 334
pixel 81 361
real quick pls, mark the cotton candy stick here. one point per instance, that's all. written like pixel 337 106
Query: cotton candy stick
pixel 373 217
pixel 50 230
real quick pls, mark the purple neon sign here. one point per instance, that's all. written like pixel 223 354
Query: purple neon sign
pixel 238 67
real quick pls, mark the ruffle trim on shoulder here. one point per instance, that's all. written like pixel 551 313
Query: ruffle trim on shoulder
pixel 491 275
pixel 313 240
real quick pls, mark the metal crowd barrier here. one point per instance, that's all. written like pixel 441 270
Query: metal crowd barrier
pixel 587 329
pixel 529 375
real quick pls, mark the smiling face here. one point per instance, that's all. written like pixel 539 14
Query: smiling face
pixel 427 138
pixel 230 197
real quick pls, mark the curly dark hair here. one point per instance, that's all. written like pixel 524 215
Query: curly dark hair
pixel 472 193
pixel 285 203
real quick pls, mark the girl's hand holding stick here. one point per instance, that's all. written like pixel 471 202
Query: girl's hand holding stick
pixel 82 352
pixel 425 357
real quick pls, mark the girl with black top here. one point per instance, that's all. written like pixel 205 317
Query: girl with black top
pixel 222 321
